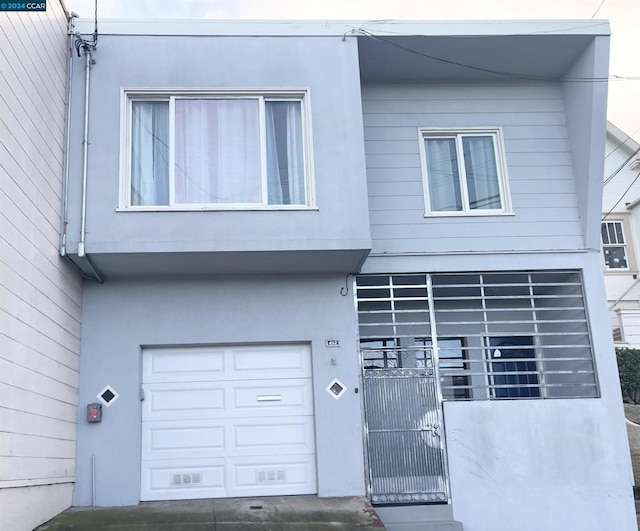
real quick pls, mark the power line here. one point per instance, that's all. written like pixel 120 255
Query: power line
pixel 597 10
pixel 608 179
pixel 621 197
pixel 629 137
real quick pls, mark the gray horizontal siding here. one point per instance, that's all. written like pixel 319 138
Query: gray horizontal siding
pixel 40 316
pixel 538 157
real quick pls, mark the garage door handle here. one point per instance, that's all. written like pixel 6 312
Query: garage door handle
pixel 269 398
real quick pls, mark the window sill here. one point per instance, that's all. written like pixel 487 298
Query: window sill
pixel 620 272
pixel 467 214
pixel 225 208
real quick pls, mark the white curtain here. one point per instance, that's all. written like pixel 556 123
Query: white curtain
pixel 150 153
pixel 482 173
pixel 217 151
pixel 285 163
pixel 442 174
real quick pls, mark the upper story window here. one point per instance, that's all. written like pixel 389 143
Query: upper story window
pixel 216 150
pixel 614 246
pixel 464 172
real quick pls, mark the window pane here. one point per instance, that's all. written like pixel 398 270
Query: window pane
pixel 520 379
pixel 620 237
pixel 443 176
pixel 612 233
pixel 482 172
pixel 149 153
pixel 604 233
pixel 217 151
pixel 615 257
pixel 285 158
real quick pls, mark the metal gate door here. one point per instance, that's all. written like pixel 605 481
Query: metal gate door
pixel 406 452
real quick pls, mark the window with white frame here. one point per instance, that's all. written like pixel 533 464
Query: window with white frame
pixel 464 172
pixel 190 150
pixel 614 246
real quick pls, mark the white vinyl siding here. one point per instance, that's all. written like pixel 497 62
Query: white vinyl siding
pixel 542 189
pixel 40 293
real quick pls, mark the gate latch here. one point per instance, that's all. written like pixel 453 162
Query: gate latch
pixel 433 428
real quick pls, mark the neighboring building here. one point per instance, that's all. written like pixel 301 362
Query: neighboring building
pixel 620 230
pixel 40 293
pixel 248 183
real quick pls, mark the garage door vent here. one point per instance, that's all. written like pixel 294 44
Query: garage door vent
pixel 184 480
pixel 271 476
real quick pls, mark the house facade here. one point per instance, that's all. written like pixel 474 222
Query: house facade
pixel 620 225
pixel 40 292
pixel 347 259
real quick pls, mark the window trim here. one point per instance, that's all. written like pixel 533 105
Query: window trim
pixel 624 219
pixel 170 94
pixel 501 165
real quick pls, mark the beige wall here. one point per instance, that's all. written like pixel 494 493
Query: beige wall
pixel 39 293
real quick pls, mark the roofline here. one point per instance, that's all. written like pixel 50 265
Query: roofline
pixel 622 138
pixel 396 28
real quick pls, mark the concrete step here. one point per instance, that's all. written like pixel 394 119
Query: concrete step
pixel 451 525
pixel 436 517
pixel 286 513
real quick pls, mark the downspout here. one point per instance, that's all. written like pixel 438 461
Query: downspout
pixel 86 47
pixel 67 139
pixel 85 150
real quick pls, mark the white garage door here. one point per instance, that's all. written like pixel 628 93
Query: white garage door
pixel 227 422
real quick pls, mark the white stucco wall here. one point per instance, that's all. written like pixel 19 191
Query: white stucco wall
pixel 538 464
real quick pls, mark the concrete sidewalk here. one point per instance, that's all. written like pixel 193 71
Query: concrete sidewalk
pixel 282 513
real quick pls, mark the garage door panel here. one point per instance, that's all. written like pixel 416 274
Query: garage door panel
pixel 290 436
pixel 231 477
pixel 184 479
pixel 267 476
pixel 290 361
pixel 185 439
pixel 171 401
pixel 167 440
pixel 198 400
pixel 272 398
pixel 183 365
pixel 226 363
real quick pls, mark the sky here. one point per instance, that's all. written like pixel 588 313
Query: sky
pixel 623 15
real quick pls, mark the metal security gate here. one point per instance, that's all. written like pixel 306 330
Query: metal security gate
pixel 406 452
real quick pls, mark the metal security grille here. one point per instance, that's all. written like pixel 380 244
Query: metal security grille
pixel 498 335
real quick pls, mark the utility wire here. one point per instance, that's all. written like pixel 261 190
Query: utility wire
pixel 620 167
pixel 629 137
pixel 621 197
pixel 599 7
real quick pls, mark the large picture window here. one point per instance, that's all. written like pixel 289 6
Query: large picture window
pixel 195 151
pixel 464 172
